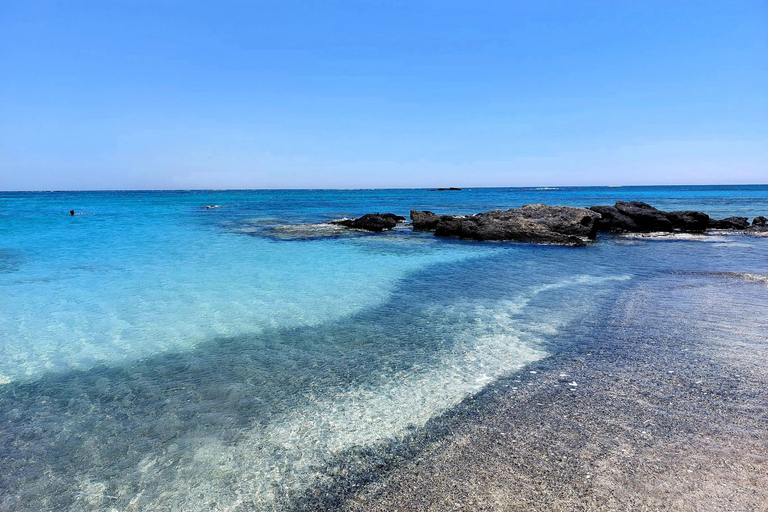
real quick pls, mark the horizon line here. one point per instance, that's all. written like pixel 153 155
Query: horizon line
pixel 534 187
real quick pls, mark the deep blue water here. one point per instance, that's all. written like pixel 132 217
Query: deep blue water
pixel 159 355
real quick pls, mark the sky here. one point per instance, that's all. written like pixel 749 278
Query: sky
pixel 186 94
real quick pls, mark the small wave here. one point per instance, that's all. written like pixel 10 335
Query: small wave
pixel 720 238
pixel 730 244
pixel 760 278
pixel 742 276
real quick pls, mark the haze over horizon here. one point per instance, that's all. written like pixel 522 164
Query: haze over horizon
pixel 136 94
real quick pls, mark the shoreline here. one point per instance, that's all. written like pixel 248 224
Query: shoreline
pixel 650 425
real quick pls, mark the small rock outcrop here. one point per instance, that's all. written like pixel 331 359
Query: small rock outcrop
pixel 759 225
pixel 612 220
pixel 646 217
pixel 376 222
pixel 537 223
pixel 557 225
pixel 730 223
pixel 424 220
pixel 561 219
pixel 639 217
pixel 689 221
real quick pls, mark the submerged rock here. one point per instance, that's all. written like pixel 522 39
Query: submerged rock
pixel 536 223
pixel 376 222
pixel 730 223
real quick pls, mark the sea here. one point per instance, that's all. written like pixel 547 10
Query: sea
pixel 229 350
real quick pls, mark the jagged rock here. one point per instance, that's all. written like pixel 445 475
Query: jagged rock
pixel 759 225
pixel 535 223
pixel 562 219
pixel 639 217
pixel 729 223
pixel 424 220
pixel 689 221
pixel 371 222
pixel 611 219
pixel 646 217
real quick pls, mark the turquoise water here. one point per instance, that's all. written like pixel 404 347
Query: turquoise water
pixel 156 354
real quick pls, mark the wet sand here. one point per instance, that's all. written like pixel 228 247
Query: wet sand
pixel 671 417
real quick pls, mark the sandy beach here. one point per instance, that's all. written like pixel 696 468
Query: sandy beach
pixel 666 419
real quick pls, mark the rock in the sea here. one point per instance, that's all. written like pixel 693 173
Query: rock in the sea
pixel 759 225
pixel 639 217
pixel 729 223
pixel 612 220
pixel 689 221
pixel 424 220
pixel 562 219
pixel 537 223
pixel 376 222
pixel 646 217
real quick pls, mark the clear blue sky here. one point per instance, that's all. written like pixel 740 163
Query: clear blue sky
pixel 137 94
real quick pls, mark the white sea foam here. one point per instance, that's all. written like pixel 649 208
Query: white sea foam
pixel 730 244
pixel 719 237
pixel 760 278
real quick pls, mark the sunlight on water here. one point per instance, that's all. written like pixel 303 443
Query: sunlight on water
pixel 158 355
pixel 302 419
pixel 78 316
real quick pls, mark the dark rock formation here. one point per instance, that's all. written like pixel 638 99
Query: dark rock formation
pixel 639 217
pixel 371 222
pixel 424 220
pixel 537 223
pixel 449 188
pixel 759 225
pixel 689 221
pixel 646 217
pixel 612 220
pixel 562 219
pixel 729 223
pixel 559 225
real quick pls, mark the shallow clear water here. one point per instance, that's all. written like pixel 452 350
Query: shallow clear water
pixel 159 355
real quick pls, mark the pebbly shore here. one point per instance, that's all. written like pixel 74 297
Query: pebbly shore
pixel 670 416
